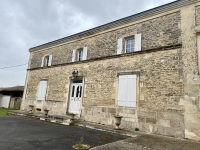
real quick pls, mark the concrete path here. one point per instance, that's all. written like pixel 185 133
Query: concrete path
pixel 151 142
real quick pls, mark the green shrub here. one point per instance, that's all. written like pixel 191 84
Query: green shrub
pixel 136 129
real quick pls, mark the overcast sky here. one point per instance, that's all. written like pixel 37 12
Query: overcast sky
pixel 29 23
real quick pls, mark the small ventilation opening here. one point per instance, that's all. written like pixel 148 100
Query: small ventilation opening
pixel 38 109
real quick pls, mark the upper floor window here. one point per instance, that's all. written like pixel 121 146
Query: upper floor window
pixel 79 54
pixel 129 45
pixel 46 61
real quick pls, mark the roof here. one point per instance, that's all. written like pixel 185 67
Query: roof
pixel 14 88
pixel 117 23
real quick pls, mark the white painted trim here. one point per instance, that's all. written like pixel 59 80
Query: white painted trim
pixel 119 46
pixel 138 42
pixel 74 55
pixel 42 64
pixel 85 49
pixel 50 60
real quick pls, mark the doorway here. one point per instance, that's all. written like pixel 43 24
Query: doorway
pixel 75 97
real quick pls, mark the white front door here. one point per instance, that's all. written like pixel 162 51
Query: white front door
pixel 75 98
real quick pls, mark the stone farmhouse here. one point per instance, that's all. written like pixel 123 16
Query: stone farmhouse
pixel 144 67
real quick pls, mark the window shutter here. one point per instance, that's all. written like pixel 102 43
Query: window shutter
pixel 119 46
pixel 50 60
pixel 122 88
pixel 42 64
pixel 138 42
pixel 127 91
pixel 42 90
pixel 131 91
pixel 84 53
pixel 74 55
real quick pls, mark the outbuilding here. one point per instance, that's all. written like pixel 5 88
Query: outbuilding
pixel 10 97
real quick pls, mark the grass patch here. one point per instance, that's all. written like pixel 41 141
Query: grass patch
pixel 3 111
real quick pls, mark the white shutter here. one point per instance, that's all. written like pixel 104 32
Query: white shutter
pixel 122 88
pixel 42 64
pixel 138 42
pixel 42 90
pixel 50 60
pixel 119 46
pixel 84 53
pixel 127 91
pixel 131 91
pixel 74 55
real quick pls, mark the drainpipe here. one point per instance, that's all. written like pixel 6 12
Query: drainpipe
pixel 198 51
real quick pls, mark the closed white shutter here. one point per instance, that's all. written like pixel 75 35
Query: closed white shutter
pixel 138 42
pixel 127 91
pixel 119 46
pixel 122 88
pixel 131 91
pixel 74 55
pixel 42 90
pixel 42 64
pixel 84 53
pixel 50 60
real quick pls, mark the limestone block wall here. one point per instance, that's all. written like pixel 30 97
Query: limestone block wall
pixel 157 32
pixel 160 79
pixel 168 101
pixel 168 123
pixel 189 23
pixel 105 115
pixel 160 90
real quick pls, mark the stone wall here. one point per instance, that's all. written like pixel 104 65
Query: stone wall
pixel 15 102
pixel 191 80
pixel 169 123
pixel 161 31
pixel 197 15
pixel 160 79
pixel 160 88
pixel 168 100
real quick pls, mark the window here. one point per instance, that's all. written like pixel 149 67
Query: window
pixel 42 90
pixel 127 91
pixel 46 61
pixel 129 45
pixel 79 54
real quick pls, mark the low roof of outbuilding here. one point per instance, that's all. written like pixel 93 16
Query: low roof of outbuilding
pixel 14 88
